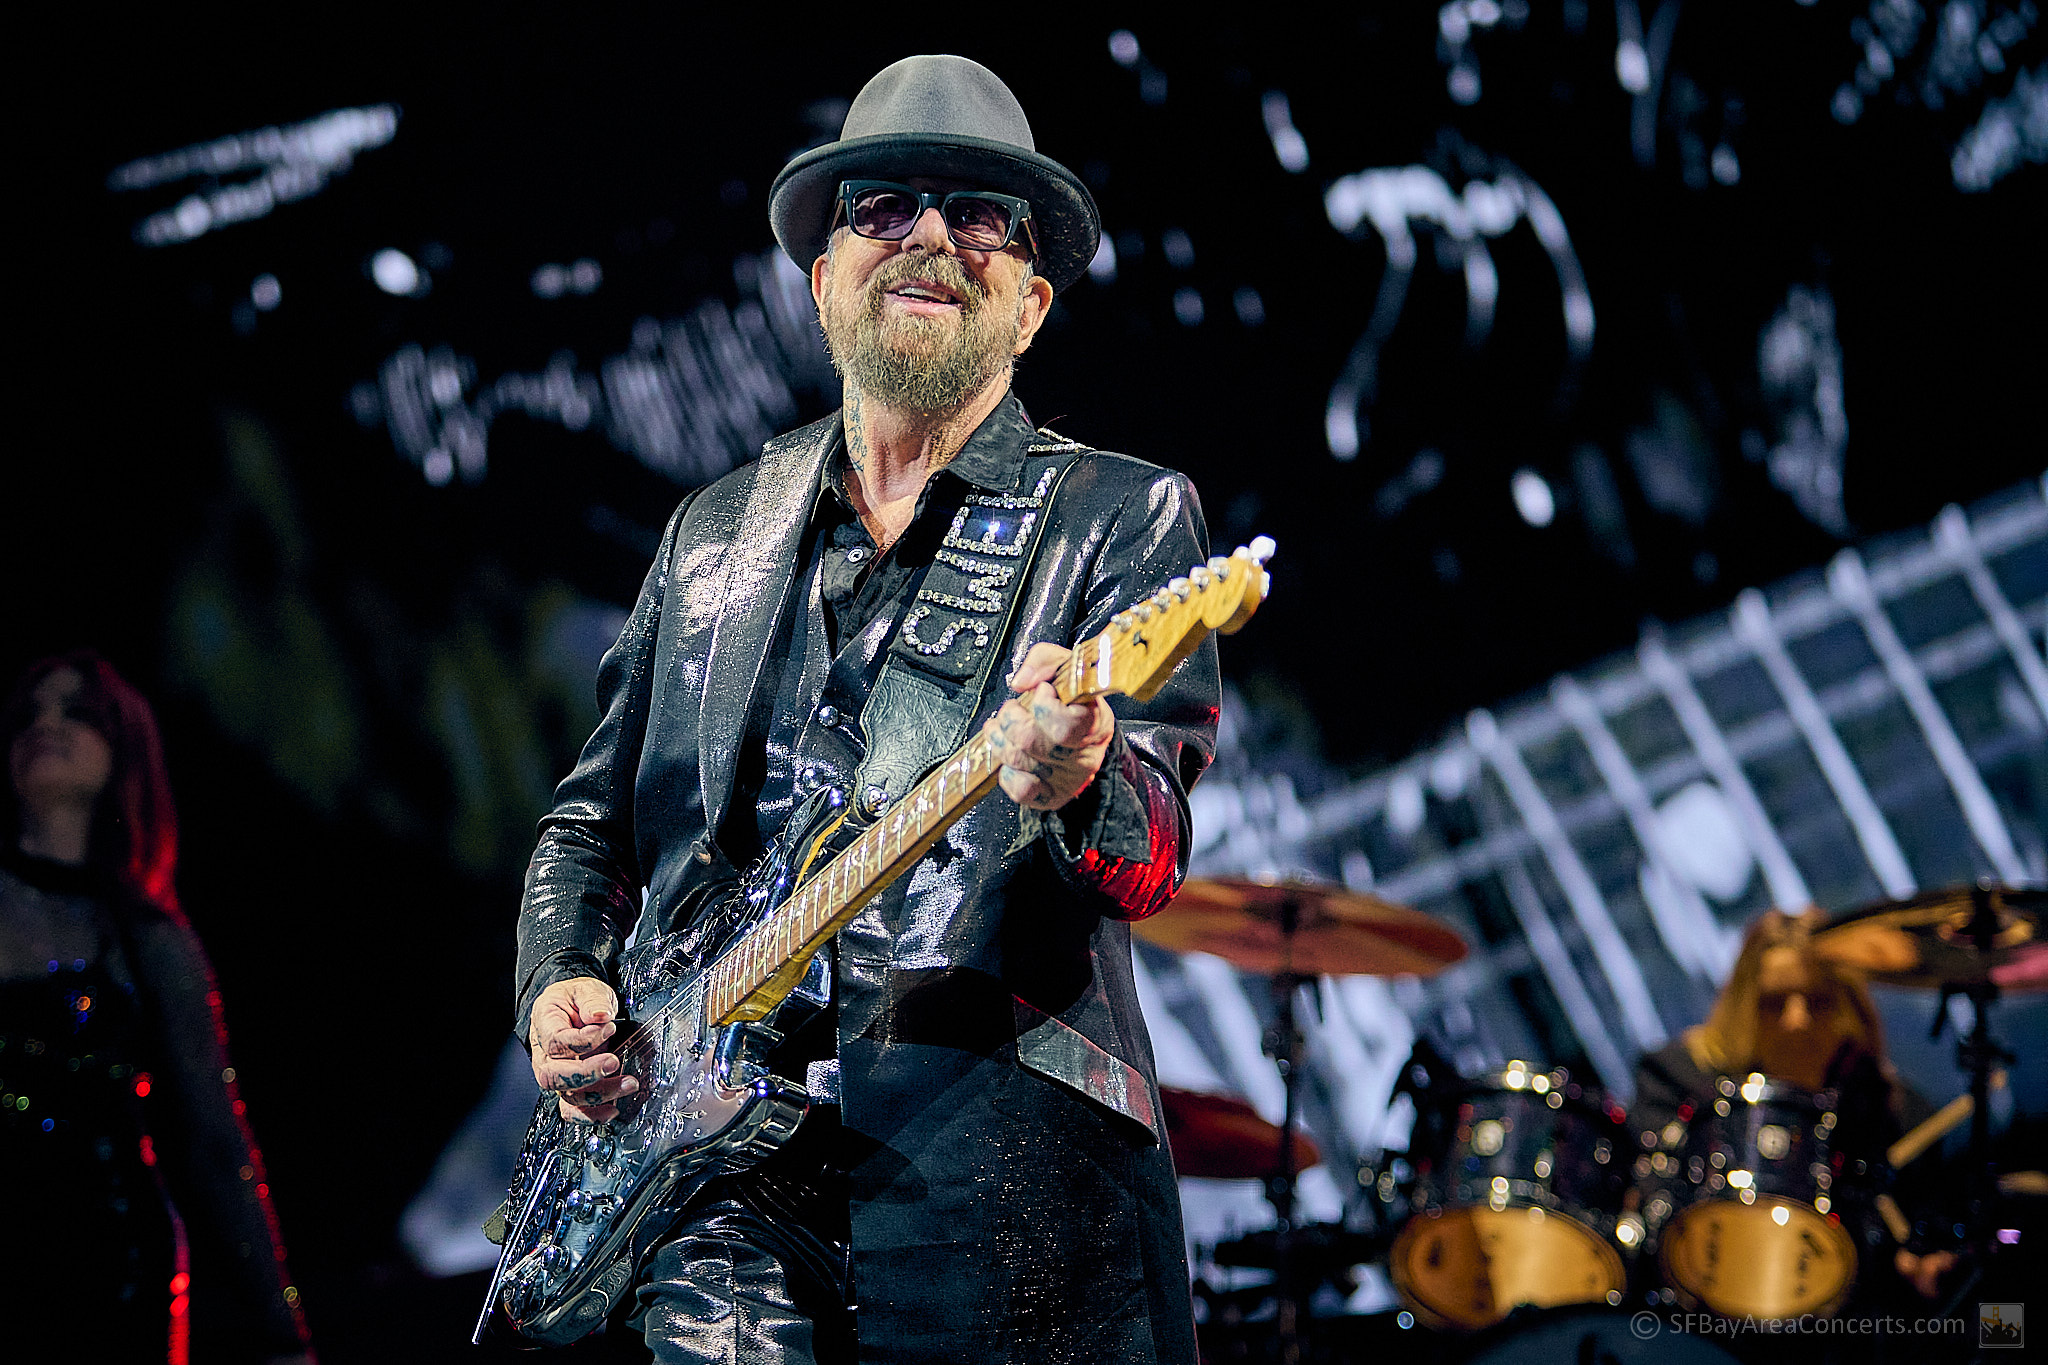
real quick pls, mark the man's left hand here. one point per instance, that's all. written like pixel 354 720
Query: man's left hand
pixel 1049 751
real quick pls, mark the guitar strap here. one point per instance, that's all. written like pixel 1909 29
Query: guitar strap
pixel 957 628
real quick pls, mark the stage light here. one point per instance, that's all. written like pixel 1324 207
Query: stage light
pixel 1727 169
pixel 1251 309
pixel 1533 498
pixel 1123 47
pixel 552 281
pixel 1405 805
pixel 1288 143
pixel 1187 306
pixel 266 293
pixel 396 273
pixel 2010 131
pixel 1102 266
pixel 1179 248
pixel 291 162
pixel 1389 200
pixel 1632 66
pixel 690 398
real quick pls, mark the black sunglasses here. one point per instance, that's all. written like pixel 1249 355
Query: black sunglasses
pixel 976 220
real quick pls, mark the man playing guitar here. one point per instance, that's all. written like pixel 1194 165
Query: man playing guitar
pixel 980 1169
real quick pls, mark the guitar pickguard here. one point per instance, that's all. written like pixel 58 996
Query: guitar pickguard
pixel 588 1201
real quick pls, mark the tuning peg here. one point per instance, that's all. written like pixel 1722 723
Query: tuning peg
pixel 1261 549
pixel 1220 567
pixel 1143 611
pixel 1180 588
pixel 1201 577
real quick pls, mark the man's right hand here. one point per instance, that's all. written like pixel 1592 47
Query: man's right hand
pixel 571 1021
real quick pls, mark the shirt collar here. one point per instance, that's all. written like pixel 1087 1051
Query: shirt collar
pixel 992 459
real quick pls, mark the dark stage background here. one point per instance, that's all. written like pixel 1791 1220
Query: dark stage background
pixel 370 680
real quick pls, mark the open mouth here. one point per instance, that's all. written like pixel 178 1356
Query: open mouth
pixel 924 295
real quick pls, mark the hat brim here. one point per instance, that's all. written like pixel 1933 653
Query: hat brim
pixel 800 203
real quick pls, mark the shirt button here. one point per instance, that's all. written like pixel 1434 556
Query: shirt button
pixel 856 554
pixel 828 716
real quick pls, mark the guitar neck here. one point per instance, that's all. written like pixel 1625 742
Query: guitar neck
pixel 754 976
pixel 1142 646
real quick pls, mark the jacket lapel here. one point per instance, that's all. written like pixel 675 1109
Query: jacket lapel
pixel 763 537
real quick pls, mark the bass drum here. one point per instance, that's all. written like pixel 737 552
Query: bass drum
pixel 1518 1185
pixel 1757 1233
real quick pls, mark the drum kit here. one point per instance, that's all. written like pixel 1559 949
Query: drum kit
pixel 1525 1209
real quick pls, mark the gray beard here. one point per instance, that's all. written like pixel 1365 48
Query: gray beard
pixel 917 364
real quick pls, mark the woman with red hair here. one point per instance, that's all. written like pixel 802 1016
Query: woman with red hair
pixel 121 1133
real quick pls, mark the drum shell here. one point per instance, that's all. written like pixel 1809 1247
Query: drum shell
pixel 1561 1148
pixel 1767 1146
pixel 1779 1134
pixel 1492 1159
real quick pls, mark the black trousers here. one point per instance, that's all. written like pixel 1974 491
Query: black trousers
pixel 757 1269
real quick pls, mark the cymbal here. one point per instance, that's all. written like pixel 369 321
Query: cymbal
pixel 1337 932
pixel 1928 940
pixel 1224 1138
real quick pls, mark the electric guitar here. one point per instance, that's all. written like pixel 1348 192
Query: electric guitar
pixel 580 1214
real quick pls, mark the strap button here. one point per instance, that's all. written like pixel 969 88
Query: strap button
pixel 856 554
pixel 828 715
pixel 873 799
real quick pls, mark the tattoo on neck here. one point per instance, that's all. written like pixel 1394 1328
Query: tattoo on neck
pixel 856 431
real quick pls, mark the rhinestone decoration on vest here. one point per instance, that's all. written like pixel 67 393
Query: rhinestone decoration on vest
pixel 987 580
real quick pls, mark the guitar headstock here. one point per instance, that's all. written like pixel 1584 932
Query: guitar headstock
pixel 1149 638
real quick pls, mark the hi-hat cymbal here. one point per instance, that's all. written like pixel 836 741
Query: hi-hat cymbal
pixel 1224 1138
pixel 1931 940
pixel 1336 932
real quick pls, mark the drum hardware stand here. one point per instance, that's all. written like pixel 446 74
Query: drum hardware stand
pixel 1979 1055
pixel 1283 1043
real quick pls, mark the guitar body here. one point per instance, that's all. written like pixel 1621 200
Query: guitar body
pixel 590 1201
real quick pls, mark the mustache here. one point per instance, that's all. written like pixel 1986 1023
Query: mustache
pixel 927 269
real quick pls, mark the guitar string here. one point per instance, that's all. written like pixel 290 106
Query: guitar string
pixel 643 1044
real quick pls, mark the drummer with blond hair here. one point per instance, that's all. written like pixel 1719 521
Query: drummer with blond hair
pixel 1793 1013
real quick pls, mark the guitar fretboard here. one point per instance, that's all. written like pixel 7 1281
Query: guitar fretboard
pixel 759 970
pixel 1135 654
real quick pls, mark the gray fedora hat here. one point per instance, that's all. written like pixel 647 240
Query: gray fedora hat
pixel 938 116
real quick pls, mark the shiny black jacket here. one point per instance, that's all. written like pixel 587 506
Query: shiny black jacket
pixel 1012 1198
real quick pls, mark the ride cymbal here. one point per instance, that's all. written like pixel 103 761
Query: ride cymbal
pixel 1334 932
pixel 1938 939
